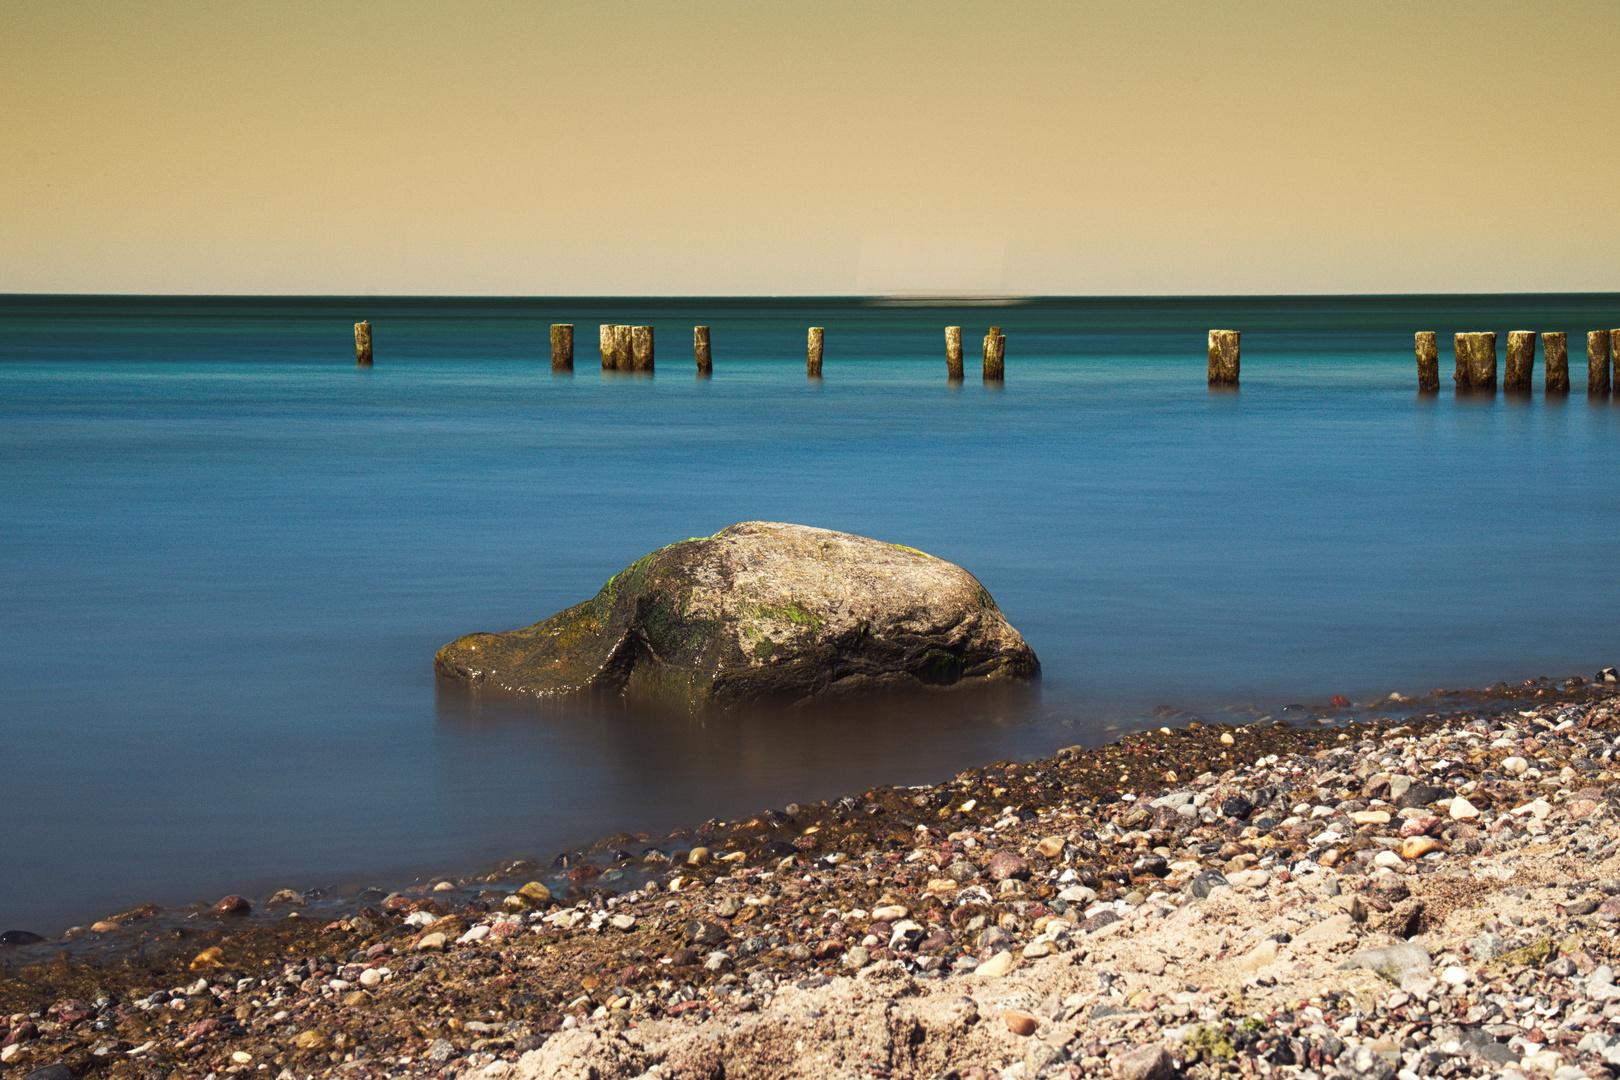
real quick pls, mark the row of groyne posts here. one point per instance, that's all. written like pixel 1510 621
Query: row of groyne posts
pixel 630 348
pixel 1476 361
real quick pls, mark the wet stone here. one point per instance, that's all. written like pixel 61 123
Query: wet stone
pixel 1157 865
pixel 1237 807
pixel 51 1072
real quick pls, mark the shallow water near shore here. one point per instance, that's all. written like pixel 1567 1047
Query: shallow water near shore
pixel 229 554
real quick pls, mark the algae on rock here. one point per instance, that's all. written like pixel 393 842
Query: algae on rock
pixel 761 611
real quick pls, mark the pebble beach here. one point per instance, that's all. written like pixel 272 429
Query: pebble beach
pixel 1430 893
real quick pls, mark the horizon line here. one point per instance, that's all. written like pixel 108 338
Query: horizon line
pixel 919 299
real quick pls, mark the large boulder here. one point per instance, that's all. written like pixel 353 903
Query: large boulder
pixel 759 612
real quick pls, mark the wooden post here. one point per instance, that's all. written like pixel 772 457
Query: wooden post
pixel 995 365
pixel 641 348
pixel 1598 344
pixel 700 350
pixel 812 363
pixel 1521 361
pixel 1614 353
pixel 606 332
pixel 362 344
pixel 562 346
pixel 1428 361
pixel 1224 361
pixel 953 353
pixel 1555 360
pixel 990 342
pixel 622 348
pixel 1476 361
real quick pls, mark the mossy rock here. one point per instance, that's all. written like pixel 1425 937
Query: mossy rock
pixel 759 612
pixel 1535 954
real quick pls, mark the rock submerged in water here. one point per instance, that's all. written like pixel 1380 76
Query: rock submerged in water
pixel 759 612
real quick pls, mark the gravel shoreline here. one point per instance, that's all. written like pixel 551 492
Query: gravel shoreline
pixel 1433 895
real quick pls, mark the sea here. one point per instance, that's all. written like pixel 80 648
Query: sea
pixel 228 554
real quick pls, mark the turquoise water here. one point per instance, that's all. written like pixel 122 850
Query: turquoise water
pixel 229 555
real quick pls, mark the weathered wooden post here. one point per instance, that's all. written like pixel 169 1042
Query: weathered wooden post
pixel 812 363
pixel 1224 359
pixel 1476 361
pixel 1555 359
pixel 362 344
pixel 1598 344
pixel 1614 353
pixel 641 348
pixel 990 342
pixel 1521 361
pixel 995 363
pixel 1428 360
pixel 606 332
pixel 953 353
pixel 700 350
pixel 562 346
pixel 623 347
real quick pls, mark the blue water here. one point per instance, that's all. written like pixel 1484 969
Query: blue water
pixel 228 555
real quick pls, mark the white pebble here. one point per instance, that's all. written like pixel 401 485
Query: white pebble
pixel 1461 808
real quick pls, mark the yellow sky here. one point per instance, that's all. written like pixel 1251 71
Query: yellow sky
pixel 770 148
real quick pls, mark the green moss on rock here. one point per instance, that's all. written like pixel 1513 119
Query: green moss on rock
pixel 759 611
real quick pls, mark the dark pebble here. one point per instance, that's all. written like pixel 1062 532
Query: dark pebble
pixel 1423 795
pixel 231 905
pixel 20 937
pixel 1201 885
pixel 1157 865
pixel 51 1072
pixel 1237 807
pixel 1099 920
pixel 1497 1054
pixel 703 933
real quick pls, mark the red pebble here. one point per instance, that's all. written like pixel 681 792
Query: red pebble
pixel 21 1033
pixel 202 1027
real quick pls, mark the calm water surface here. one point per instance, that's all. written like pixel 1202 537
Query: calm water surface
pixel 228 555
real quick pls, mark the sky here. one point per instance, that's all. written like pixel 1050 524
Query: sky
pixel 773 148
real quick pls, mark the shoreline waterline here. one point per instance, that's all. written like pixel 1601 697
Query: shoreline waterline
pixel 1056 873
pixel 605 852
